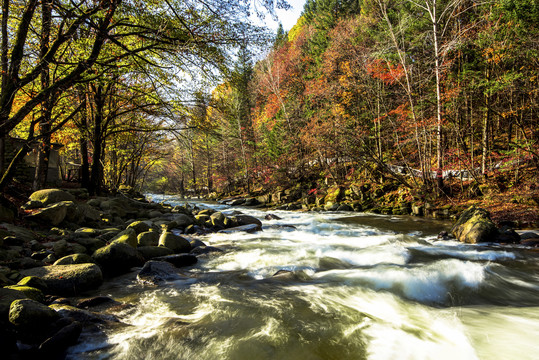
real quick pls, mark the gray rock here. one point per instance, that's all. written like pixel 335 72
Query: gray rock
pixel 174 242
pixel 51 196
pixel 117 258
pixel 247 220
pixel 90 244
pixel 68 280
pixel 183 220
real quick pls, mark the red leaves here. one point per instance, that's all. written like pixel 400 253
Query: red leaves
pixel 385 71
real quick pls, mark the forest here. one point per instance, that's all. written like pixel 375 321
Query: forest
pixel 437 96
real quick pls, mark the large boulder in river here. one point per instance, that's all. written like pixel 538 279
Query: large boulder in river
pixel 249 228
pixel 51 196
pixel 117 258
pixel 247 220
pixel 68 280
pixel 475 226
pixel 174 242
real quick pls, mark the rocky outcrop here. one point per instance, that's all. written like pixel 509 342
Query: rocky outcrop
pixel 475 226
pixel 174 242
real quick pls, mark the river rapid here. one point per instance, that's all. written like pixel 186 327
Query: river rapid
pixel 356 286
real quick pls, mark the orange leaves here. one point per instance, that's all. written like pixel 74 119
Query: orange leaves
pixel 385 71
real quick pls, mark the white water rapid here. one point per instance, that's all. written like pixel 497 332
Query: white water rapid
pixel 357 286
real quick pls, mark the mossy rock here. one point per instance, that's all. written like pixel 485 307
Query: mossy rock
pixel 33 281
pixel 475 226
pixel 148 238
pixel 150 252
pixel 68 280
pixel 75 259
pixel 30 292
pixel 7 296
pixel 174 242
pixel 51 196
pixel 128 236
pixel 117 258
pixel 31 316
pixel 139 226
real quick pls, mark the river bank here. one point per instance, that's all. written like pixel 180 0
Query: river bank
pixel 68 246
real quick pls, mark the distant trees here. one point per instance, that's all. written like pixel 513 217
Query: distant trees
pixel 406 90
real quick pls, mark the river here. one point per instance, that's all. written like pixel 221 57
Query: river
pixel 357 286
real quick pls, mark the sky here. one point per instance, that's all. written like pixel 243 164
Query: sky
pixel 287 18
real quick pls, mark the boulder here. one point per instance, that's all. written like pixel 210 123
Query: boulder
pixel 205 250
pixel 154 272
pixel 508 236
pixel 90 244
pixel 182 220
pixel 83 316
pixel 139 226
pixel 68 280
pixel 272 217
pixel 247 220
pixel 62 339
pixel 53 214
pixel 475 226
pixel 51 196
pixel 34 282
pixel 150 252
pixel 30 292
pixel 117 258
pixel 75 259
pixel 250 228
pixel 7 296
pixel 21 233
pixel 30 315
pixel 179 260
pixel 148 238
pixel 174 242
pixel 128 236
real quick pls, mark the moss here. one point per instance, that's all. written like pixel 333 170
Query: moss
pixel 30 292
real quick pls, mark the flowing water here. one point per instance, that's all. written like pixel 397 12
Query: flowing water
pixel 357 286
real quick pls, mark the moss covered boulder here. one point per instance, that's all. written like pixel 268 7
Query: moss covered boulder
pixel 53 214
pixel 117 258
pixel 75 259
pixel 31 315
pixel 51 196
pixel 475 226
pixel 139 226
pixel 148 238
pixel 128 236
pixel 68 280
pixel 174 242
pixel 30 292
pixel 7 296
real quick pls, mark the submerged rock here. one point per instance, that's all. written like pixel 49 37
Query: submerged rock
pixel 68 279
pixel 154 272
pixel 250 228
pixel 179 260
pixel 475 226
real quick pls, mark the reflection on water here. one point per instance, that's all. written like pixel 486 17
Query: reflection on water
pixel 355 287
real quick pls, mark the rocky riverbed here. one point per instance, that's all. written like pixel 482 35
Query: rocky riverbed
pixel 67 245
